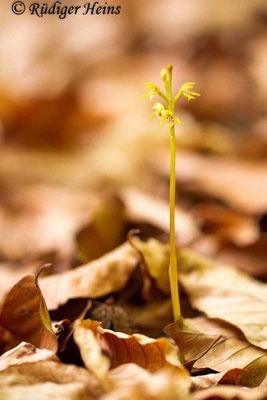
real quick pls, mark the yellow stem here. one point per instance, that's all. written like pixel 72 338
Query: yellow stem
pixel 173 260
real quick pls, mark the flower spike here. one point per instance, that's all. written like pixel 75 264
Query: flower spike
pixel 167 115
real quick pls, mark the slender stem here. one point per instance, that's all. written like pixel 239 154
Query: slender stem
pixel 173 260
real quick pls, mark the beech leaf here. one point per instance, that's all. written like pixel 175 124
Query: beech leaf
pixel 220 346
pixel 221 291
pixel 95 279
pixel 25 317
pixel 119 348
pixel 105 230
pixel 226 378
pixel 238 183
pixel 132 382
pixel 24 353
pixel 228 393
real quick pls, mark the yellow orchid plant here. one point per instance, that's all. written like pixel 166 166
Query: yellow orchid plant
pixel 167 115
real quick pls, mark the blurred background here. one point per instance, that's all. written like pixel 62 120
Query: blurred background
pixel 80 161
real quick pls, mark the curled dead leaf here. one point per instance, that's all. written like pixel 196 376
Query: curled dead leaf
pixel 116 348
pixel 154 257
pixel 220 346
pixel 25 317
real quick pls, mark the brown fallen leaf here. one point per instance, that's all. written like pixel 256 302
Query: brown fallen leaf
pixel 48 371
pixel 116 348
pixel 155 260
pixel 48 391
pixel 90 349
pixel 263 384
pixel 242 184
pixel 152 265
pixel 144 208
pixel 97 278
pixel 221 291
pixel 224 378
pixel 227 225
pixel 228 393
pixel 26 365
pixel 24 353
pixel 252 258
pixel 24 316
pixel 132 382
pixel 11 273
pixel 105 230
pixel 220 346
pixel 27 210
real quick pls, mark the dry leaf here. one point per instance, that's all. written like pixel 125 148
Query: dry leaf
pixel 155 260
pixel 24 353
pixel 41 219
pixel 119 348
pixel 144 208
pixel 228 393
pixel 25 317
pixel 47 371
pixel 225 378
pixel 48 391
pixel 216 344
pixel 91 352
pixel 27 365
pixel 252 259
pixel 242 184
pixel 105 230
pixel 222 291
pixel 98 278
pixel 132 382
pixel 227 225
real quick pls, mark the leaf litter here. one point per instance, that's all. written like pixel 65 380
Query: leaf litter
pixel 98 325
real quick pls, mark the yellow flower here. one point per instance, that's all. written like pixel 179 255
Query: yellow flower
pixel 164 115
pixel 186 92
pixel 158 113
pixel 154 89
pixel 169 118
pixel 167 115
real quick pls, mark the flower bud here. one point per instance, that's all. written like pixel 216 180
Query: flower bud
pixel 164 75
pixel 170 68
